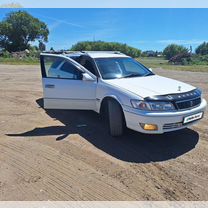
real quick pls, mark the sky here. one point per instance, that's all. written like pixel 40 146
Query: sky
pixel 146 29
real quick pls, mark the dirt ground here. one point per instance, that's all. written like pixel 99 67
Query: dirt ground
pixel 68 155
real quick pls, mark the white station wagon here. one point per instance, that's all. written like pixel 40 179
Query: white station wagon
pixel 126 92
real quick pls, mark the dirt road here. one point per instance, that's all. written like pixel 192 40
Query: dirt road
pixel 68 155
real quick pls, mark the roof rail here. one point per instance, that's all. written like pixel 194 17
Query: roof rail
pixel 113 52
pixel 61 52
pixel 65 52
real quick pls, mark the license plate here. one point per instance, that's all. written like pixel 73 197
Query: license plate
pixel 192 118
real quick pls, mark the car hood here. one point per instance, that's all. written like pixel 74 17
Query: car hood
pixel 151 85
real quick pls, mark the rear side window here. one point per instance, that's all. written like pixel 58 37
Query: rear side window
pixel 56 63
pixel 88 65
pixel 56 67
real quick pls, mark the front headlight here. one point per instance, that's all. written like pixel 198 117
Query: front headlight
pixel 199 92
pixel 153 105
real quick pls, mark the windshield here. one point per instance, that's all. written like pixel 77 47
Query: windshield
pixel 114 68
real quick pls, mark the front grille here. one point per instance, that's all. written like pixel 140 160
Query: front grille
pixel 181 105
pixel 172 126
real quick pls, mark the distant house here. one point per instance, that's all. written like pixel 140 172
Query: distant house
pixel 152 53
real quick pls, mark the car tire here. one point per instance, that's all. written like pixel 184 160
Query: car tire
pixel 115 118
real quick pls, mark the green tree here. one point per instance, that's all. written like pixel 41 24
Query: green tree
pixel 172 50
pixel 106 46
pixel 19 29
pixel 202 49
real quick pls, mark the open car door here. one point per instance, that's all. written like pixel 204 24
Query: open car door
pixel 67 84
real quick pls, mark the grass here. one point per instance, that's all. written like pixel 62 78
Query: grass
pixel 147 61
pixel 14 61
pixel 162 63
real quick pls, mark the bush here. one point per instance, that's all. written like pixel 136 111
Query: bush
pixel 6 54
pixel 199 60
pixel 172 50
pixel 185 61
pixel 190 60
pixel 106 46
pixel 33 52
pixel 202 49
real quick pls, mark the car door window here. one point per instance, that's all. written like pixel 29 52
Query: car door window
pixel 57 67
pixel 68 70
pixel 51 64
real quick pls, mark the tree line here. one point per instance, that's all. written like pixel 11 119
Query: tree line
pixel 106 46
pixel 19 29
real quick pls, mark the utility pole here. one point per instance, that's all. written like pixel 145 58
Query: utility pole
pixel 191 49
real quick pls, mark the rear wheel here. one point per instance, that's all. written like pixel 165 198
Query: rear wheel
pixel 115 118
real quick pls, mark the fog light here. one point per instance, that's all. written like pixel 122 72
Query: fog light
pixel 149 127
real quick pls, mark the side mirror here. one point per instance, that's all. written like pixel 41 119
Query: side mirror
pixel 87 77
pixel 150 69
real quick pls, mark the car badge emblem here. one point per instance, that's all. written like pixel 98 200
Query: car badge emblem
pixel 169 97
pixel 179 88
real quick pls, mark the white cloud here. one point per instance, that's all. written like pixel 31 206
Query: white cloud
pixel 182 42
pixel 171 41
pixel 60 21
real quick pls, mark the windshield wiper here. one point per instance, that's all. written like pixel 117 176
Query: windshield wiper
pixel 130 75
pixel 150 74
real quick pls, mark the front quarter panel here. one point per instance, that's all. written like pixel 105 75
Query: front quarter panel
pixel 107 90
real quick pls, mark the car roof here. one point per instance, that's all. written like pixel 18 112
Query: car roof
pixel 105 54
pixel 92 54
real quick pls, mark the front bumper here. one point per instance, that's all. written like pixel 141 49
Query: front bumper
pixel 166 121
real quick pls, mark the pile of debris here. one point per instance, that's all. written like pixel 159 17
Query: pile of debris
pixel 178 59
pixel 17 54
pixel 20 54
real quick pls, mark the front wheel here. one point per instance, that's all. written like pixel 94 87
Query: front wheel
pixel 116 118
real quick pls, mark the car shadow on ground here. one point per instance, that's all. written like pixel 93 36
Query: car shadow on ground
pixel 132 147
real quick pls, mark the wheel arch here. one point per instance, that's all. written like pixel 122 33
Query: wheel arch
pixel 104 104
pixel 105 100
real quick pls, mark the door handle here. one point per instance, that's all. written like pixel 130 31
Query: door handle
pixel 49 86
